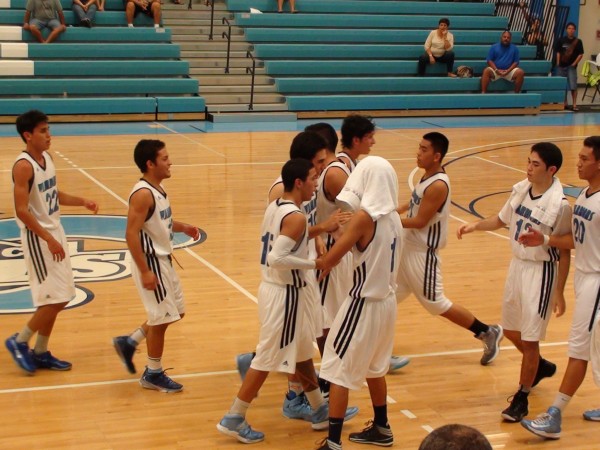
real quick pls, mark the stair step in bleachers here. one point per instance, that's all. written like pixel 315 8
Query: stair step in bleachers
pixel 90 51
pixel 112 18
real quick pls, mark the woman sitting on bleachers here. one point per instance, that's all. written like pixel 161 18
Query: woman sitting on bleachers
pixel 85 11
pixel 438 48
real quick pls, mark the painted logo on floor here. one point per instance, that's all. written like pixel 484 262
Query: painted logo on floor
pixel 88 265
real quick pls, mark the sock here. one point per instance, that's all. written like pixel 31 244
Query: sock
pixel 335 430
pixel 315 398
pixel 156 25
pixel 525 389
pixel 561 401
pixel 24 335
pixel 41 344
pixel 239 407
pixel 295 387
pixel 381 419
pixel 154 365
pixel 136 337
pixel 130 25
pixel 478 327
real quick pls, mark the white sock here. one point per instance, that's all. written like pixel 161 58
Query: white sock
pixel 24 335
pixel 561 401
pixel 295 387
pixel 239 407
pixel 315 398
pixel 154 365
pixel 130 25
pixel 156 25
pixel 41 344
pixel 137 336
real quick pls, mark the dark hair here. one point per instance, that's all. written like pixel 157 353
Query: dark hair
pixel 294 169
pixel 593 142
pixel 569 24
pixel 147 150
pixel 439 142
pixel 455 437
pixel 444 20
pixel 327 132
pixel 507 31
pixel 549 153
pixel 27 122
pixel 355 126
pixel 306 145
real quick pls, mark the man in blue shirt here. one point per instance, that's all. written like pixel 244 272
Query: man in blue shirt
pixel 503 61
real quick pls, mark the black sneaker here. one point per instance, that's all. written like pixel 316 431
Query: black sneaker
pixel 125 351
pixel 374 434
pixel 518 408
pixel 546 369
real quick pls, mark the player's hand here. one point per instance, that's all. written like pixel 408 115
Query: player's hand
pixel 320 246
pixel 465 228
pixel 320 265
pixel 192 231
pixel 532 238
pixel 149 280
pixel 560 305
pixel 91 205
pixel 57 250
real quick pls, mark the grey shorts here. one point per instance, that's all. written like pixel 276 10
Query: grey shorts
pixel 570 73
pixel 41 24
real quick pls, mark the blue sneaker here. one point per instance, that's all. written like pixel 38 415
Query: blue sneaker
pixel 47 361
pixel 320 417
pixel 297 407
pixel 159 382
pixel 398 362
pixel 243 362
pixel 125 351
pixel 21 354
pixel 235 425
pixel 592 414
pixel 546 425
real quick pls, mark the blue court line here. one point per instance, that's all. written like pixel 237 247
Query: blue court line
pixel 197 127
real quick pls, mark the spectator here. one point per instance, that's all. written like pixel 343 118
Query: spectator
pixel 455 437
pixel 44 14
pixel 569 51
pixel 438 48
pixel 503 61
pixel 149 7
pixel 292 6
pixel 100 4
pixel 85 11
pixel 534 34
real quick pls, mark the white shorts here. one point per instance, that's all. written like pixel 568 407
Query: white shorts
pixel 334 289
pixel 508 77
pixel 51 281
pixel 420 273
pixel 585 315
pixel 165 303
pixel 360 342
pixel 286 336
pixel 528 297
pixel 314 314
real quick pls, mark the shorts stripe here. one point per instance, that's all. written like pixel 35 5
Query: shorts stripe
pixel 360 275
pixel 434 235
pixel 429 281
pixel 160 291
pixel 548 276
pixel 324 283
pixel 291 313
pixel 344 335
pixel 595 311
pixel 37 257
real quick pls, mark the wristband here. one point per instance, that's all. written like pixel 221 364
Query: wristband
pixel 546 239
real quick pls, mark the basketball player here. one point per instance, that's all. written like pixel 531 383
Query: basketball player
pixel 149 236
pixel 285 343
pixel 358 136
pixel 426 226
pixel 536 276
pixel 359 344
pixel 585 239
pixel 37 202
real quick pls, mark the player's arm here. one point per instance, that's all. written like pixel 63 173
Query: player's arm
pixel 533 238
pixel 190 230
pixel 281 255
pixel 490 224
pixel 72 200
pixel 22 175
pixel 140 204
pixel 276 192
pixel 360 224
pixel 564 263
pixel 403 208
pixel 433 199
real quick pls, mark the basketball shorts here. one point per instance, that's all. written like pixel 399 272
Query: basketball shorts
pixel 585 315
pixel 360 342
pixel 314 314
pixel 286 337
pixel 51 281
pixel 528 297
pixel 165 303
pixel 334 289
pixel 420 273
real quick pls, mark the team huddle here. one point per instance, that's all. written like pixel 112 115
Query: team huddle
pixel 337 253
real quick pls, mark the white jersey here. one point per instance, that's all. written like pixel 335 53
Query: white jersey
pixel 326 207
pixel 434 234
pixel 43 193
pixel 271 226
pixel 351 163
pixel 519 220
pixel 376 267
pixel 586 232
pixel 156 234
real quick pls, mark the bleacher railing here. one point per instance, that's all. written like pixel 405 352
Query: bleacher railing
pixel 542 22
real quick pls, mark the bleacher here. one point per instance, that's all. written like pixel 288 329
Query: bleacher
pixel 109 72
pixel 339 55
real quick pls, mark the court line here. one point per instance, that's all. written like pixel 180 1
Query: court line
pixel 206 147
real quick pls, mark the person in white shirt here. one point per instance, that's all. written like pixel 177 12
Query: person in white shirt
pixel 438 48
